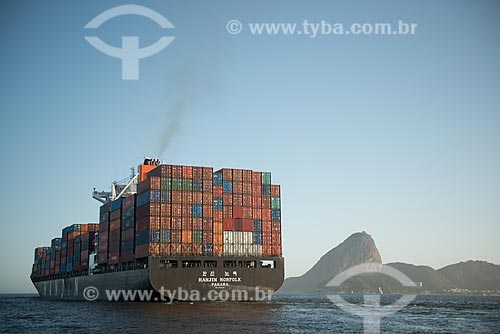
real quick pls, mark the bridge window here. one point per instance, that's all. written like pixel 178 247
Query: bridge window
pixel 210 264
pixel 267 264
pixel 191 264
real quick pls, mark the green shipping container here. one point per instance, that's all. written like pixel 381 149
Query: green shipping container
pixel 197 237
pixel 275 203
pixel 266 178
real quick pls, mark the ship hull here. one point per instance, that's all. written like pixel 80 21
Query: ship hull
pixel 174 278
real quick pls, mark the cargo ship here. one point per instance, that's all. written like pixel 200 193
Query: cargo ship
pixel 171 232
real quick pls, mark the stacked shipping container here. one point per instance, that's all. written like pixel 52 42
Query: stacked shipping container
pixel 178 210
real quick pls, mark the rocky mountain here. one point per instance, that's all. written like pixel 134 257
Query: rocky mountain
pixel 357 249
pixel 473 275
pixel 360 248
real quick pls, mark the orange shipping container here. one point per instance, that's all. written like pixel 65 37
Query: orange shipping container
pixel 227 174
pixel 237 187
pixel 218 227
pixel 237 175
pixel 247 175
pixel 208 173
pixel 227 199
pixel 176 196
pixel 275 190
pixel 257 178
pixel 238 199
pixel 197 197
pixel 228 211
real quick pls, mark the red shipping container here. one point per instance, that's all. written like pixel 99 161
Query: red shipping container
pixel 187 210
pixel 115 225
pixel 197 223
pixel 247 213
pixel 247 175
pixel 187 223
pixel 187 172
pixel 227 174
pixel 103 227
pixel 207 224
pixel 208 237
pixel 257 201
pixel 176 223
pixel 237 199
pixel 247 200
pixel 217 191
pixel 267 250
pixel 165 223
pixel 117 214
pixel 247 225
pixel 257 178
pixel 187 197
pixel 266 202
pixel 267 226
pixel 148 223
pixel 228 224
pixel 257 213
pixel 207 210
pixel 207 198
pixel 208 186
pixel 165 210
pixel 237 187
pixel 176 210
pixel 142 251
pixel 93 227
pixel 114 258
pixel 176 236
pixel 238 224
pixel 266 214
pixel 208 173
pixel 247 188
pixel 177 171
pixel 151 209
pixel 237 212
pixel 198 173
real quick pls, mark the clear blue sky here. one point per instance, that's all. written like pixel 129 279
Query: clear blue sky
pixel 395 135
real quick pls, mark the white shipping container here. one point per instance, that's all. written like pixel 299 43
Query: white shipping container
pixel 247 238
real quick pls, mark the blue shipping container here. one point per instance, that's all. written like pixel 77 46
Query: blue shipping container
pixel 197 210
pixel 257 238
pixel 227 186
pixel 276 215
pixel 116 204
pixel 217 179
pixel 218 204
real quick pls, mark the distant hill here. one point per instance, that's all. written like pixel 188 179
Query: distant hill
pixel 360 248
pixel 357 249
pixel 473 275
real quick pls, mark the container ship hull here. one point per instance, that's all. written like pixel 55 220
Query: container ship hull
pixel 229 280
